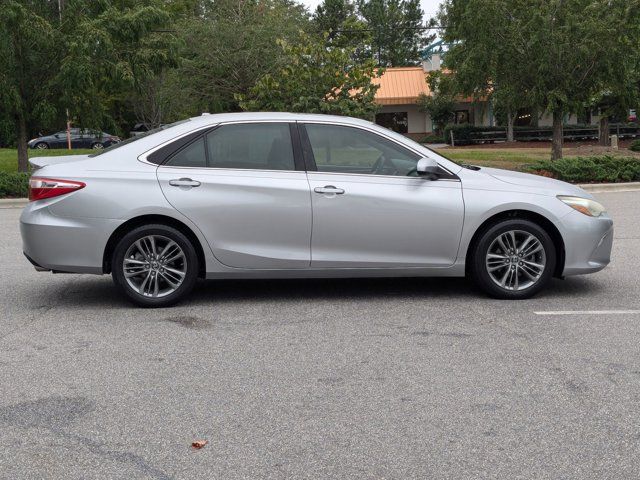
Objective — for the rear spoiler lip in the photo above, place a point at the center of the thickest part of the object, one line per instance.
(39, 162)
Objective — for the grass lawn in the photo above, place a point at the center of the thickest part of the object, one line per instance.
(517, 158)
(9, 156)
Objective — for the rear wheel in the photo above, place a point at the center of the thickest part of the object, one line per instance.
(97, 146)
(155, 266)
(513, 259)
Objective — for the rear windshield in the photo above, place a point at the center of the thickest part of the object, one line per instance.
(137, 137)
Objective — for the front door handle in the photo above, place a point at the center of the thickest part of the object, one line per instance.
(184, 182)
(329, 189)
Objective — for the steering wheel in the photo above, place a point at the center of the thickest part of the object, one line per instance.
(383, 163)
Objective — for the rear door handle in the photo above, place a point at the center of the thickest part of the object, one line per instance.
(329, 189)
(184, 182)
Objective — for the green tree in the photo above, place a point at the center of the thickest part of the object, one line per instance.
(440, 105)
(316, 79)
(339, 22)
(80, 59)
(552, 54)
(27, 52)
(397, 35)
(228, 48)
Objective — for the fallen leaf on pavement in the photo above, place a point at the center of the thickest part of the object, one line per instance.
(198, 444)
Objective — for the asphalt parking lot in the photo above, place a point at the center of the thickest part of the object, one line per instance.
(401, 378)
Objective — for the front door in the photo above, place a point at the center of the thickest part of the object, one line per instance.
(370, 209)
(239, 184)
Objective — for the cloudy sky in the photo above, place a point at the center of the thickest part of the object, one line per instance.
(430, 7)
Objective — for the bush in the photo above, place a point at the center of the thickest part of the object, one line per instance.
(635, 146)
(589, 169)
(14, 185)
(432, 139)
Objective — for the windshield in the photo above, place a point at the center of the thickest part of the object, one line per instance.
(137, 137)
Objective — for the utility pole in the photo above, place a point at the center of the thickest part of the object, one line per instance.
(60, 5)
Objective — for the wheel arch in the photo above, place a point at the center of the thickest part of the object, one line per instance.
(534, 217)
(139, 221)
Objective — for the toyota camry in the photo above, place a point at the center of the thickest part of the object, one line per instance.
(276, 195)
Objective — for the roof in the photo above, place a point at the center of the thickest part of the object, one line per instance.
(401, 85)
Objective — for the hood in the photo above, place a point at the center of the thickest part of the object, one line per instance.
(556, 187)
(39, 162)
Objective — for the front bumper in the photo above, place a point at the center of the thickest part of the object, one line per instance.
(588, 243)
(63, 244)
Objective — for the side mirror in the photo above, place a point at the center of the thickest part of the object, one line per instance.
(428, 167)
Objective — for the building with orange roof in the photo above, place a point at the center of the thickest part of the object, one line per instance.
(400, 87)
(398, 93)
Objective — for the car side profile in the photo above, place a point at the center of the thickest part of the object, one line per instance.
(276, 195)
(80, 138)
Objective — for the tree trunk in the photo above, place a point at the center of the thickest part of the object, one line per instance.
(604, 139)
(510, 121)
(556, 145)
(23, 156)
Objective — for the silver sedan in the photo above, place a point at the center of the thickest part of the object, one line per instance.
(275, 195)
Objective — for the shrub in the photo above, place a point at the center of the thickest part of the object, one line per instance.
(635, 146)
(589, 169)
(14, 185)
(432, 139)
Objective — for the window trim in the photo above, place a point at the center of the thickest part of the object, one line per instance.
(193, 136)
(311, 163)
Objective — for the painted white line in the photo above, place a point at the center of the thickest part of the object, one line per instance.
(591, 312)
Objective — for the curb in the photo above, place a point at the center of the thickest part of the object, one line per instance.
(13, 202)
(611, 187)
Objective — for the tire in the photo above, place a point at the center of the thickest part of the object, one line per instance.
(97, 146)
(41, 146)
(492, 267)
(154, 281)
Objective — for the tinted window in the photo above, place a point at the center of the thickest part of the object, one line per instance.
(192, 155)
(352, 150)
(263, 146)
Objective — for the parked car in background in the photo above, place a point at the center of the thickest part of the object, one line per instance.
(275, 195)
(80, 138)
(140, 128)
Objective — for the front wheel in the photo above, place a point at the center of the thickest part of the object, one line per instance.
(513, 259)
(41, 146)
(155, 265)
(97, 146)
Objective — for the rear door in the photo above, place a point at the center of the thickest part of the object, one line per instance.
(244, 186)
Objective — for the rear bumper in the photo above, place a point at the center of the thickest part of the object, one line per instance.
(64, 244)
(588, 243)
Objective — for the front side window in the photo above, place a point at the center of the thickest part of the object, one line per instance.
(262, 146)
(342, 149)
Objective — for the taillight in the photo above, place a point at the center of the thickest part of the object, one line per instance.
(40, 188)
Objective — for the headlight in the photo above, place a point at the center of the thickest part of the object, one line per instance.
(589, 207)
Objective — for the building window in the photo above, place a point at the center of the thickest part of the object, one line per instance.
(396, 121)
(462, 116)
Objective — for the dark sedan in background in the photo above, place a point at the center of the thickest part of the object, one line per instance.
(79, 139)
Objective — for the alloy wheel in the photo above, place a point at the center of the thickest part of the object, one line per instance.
(154, 266)
(516, 260)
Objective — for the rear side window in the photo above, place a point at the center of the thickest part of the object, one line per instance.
(193, 155)
(262, 146)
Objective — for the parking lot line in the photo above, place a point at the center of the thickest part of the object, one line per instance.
(590, 312)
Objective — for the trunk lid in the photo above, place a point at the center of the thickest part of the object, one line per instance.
(39, 162)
